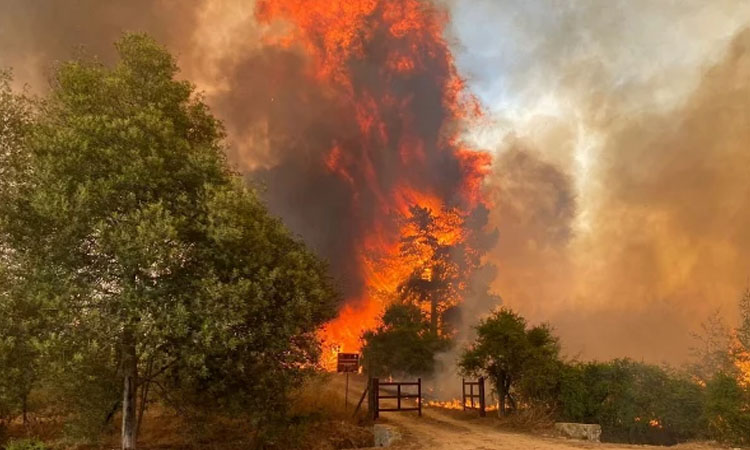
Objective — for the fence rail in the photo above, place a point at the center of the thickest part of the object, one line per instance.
(375, 396)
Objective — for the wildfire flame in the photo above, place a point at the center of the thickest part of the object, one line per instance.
(389, 62)
(456, 404)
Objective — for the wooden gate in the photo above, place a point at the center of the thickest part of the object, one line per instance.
(471, 395)
(376, 396)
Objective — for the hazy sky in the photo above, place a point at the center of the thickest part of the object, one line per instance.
(618, 128)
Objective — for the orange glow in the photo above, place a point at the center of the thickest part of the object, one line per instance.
(348, 43)
(741, 361)
(456, 404)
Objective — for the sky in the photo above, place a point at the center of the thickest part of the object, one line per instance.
(618, 129)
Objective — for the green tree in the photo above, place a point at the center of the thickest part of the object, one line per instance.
(403, 344)
(728, 410)
(19, 314)
(143, 245)
(507, 352)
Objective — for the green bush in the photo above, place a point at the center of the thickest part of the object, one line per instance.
(727, 410)
(633, 402)
(403, 344)
(25, 444)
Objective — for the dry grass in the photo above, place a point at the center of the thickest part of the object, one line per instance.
(321, 402)
(319, 421)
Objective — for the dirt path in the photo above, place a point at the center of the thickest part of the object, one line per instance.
(438, 429)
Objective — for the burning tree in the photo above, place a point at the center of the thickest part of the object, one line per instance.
(431, 246)
(388, 146)
(439, 261)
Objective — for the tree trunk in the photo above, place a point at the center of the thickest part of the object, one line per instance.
(500, 387)
(507, 394)
(129, 391)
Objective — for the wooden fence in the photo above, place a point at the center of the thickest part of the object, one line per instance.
(471, 395)
(375, 396)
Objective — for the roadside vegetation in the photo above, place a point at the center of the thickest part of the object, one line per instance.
(634, 402)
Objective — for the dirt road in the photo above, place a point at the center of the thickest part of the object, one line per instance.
(439, 429)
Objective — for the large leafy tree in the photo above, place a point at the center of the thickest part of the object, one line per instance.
(151, 256)
(511, 355)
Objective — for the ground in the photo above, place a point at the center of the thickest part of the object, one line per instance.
(441, 430)
(457, 430)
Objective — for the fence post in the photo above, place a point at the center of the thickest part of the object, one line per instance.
(372, 397)
(463, 393)
(376, 397)
(482, 412)
(419, 395)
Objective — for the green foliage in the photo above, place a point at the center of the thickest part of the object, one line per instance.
(85, 387)
(728, 410)
(634, 402)
(520, 361)
(403, 344)
(125, 230)
(20, 318)
(25, 444)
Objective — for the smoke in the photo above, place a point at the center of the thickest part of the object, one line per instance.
(619, 188)
(343, 115)
(34, 36)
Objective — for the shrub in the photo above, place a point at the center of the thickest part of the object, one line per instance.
(728, 410)
(633, 402)
(25, 444)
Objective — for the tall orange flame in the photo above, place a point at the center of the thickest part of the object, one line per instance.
(389, 61)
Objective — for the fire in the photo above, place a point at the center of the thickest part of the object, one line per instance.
(388, 61)
(653, 423)
(741, 360)
(456, 404)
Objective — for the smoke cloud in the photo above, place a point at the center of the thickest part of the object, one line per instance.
(620, 186)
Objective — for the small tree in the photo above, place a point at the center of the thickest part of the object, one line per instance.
(403, 344)
(506, 351)
(711, 351)
(728, 410)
